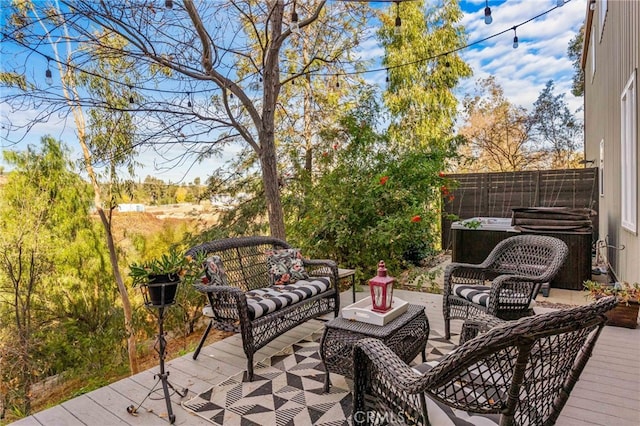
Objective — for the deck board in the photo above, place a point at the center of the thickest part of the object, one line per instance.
(608, 392)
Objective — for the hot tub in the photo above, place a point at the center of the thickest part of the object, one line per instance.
(474, 238)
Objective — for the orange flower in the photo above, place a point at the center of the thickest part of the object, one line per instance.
(441, 174)
(444, 189)
(384, 180)
(451, 197)
(416, 219)
(335, 146)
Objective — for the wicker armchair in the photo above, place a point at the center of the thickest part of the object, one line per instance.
(519, 373)
(514, 271)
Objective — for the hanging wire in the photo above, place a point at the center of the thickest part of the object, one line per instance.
(316, 72)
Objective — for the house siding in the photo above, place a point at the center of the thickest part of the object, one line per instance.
(617, 56)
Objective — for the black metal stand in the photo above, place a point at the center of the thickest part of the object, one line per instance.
(162, 377)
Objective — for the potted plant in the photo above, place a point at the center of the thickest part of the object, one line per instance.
(159, 277)
(625, 314)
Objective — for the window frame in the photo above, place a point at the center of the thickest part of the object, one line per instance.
(602, 16)
(628, 155)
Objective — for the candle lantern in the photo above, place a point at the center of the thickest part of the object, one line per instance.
(381, 287)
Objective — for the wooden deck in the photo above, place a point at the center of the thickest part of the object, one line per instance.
(608, 392)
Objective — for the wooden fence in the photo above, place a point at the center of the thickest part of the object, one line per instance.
(495, 194)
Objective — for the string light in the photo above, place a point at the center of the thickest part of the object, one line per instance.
(48, 77)
(316, 72)
(131, 95)
(487, 13)
(387, 77)
(515, 38)
(560, 3)
(294, 27)
(189, 104)
(168, 4)
(398, 26)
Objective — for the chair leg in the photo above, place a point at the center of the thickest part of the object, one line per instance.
(202, 339)
(250, 367)
(447, 328)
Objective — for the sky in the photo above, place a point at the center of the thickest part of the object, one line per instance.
(522, 73)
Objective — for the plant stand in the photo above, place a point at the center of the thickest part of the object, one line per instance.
(163, 376)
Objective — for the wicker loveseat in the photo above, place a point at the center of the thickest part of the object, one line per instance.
(250, 305)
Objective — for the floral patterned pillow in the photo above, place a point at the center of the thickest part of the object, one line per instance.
(285, 266)
(214, 272)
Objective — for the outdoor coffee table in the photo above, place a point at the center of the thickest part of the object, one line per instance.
(406, 335)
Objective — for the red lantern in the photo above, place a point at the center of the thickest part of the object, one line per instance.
(381, 288)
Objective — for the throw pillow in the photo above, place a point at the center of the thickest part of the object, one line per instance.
(214, 273)
(285, 266)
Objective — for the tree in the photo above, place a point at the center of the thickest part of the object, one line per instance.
(373, 200)
(575, 54)
(496, 131)
(44, 206)
(419, 94)
(555, 130)
(207, 86)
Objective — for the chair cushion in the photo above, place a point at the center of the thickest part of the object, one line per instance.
(214, 273)
(442, 414)
(285, 266)
(478, 294)
(266, 300)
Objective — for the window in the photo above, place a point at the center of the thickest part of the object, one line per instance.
(601, 169)
(629, 161)
(602, 15)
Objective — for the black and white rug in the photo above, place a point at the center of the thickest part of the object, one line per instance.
(287, 389)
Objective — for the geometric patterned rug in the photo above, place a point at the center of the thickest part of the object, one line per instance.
(287, 390)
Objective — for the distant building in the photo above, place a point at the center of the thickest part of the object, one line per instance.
(123, 208)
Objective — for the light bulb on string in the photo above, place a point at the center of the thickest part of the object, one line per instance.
(487, 13)
(560, 3)
(515, 38)
(131, 100)
(168, 4)
(48, 77)
(189, 104)
(387, 77)
(295, 26)
(397, 30)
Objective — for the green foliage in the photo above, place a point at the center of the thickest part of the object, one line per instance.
(420, 278)
(556, 130)
(174, 262)
(574, 51)
(373, 202)
(420, 93)
(51, 272)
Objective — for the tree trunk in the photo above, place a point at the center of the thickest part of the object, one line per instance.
(269, 168)
(124, 295)
(266, 134)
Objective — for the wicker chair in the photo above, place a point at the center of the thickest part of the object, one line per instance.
(519, 373)
(515, 270)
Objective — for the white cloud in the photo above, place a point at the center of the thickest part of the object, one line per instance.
(542, 52)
